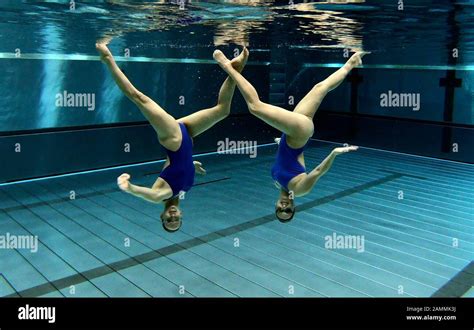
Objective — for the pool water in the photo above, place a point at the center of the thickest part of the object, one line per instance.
(394, 219)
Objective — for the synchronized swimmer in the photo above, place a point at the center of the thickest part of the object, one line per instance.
(289, 171)
(176, 136)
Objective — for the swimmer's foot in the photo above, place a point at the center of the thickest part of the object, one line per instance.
(223, 61)
(101, 46)
(239, 62)
(356, 59)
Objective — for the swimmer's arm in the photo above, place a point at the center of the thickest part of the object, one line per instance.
(305, 185)
(148, 194)
(325, 165)
(153, 194)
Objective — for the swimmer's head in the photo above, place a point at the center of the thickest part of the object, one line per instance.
(171, 218)
(285, 207)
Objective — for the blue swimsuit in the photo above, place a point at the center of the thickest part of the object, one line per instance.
(179, 174)
(286, 165)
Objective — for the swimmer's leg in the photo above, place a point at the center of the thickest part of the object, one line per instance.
(296, 126)
(164, 124)
(311, 102)
(202, 120)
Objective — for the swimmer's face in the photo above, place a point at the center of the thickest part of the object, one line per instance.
(285, 209)
(171, 218)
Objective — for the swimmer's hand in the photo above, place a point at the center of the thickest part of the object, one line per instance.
(123, 181)
(342, 150)
(198, 167)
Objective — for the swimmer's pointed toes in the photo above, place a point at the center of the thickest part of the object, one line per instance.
(217, 55)
(246, 52)
(221, 59)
